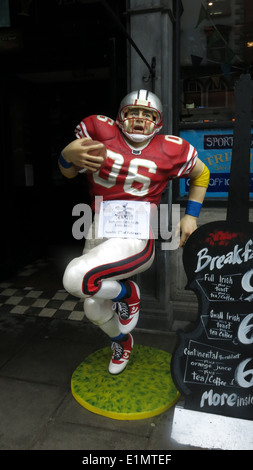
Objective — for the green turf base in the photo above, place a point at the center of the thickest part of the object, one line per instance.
(144, 389)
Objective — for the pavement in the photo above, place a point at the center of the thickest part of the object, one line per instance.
(38, 411)
(38, 355)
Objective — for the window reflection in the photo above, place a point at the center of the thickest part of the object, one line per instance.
(216, 48)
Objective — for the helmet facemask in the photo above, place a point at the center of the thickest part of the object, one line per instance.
(139, 123)
(137, 118)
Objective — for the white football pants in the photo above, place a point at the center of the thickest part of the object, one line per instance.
(94, 275)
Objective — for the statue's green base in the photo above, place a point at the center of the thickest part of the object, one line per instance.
(144, 389)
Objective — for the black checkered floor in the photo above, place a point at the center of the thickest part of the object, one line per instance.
(29, 301)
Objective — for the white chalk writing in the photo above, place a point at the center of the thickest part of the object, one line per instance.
(236, 256)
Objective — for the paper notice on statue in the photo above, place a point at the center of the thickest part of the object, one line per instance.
(124, 219)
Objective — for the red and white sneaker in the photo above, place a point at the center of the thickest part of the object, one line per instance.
(121, 355)
(128, 309)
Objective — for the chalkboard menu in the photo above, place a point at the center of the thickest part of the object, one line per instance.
(213, 364)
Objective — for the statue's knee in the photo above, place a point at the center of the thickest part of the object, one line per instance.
(98, 312)
(69, 279)
(72, 279)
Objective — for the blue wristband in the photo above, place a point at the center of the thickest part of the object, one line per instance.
(193, 208)
(64, 163)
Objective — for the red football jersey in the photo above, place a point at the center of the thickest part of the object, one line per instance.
(130, 173)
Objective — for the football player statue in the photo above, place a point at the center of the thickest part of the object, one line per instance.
(138, 166)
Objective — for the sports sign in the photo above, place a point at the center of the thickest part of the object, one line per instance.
(214, 148)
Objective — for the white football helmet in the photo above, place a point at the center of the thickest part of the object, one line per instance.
(136, 128)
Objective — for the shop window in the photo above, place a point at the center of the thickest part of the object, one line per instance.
(216, 39)
(216, 48)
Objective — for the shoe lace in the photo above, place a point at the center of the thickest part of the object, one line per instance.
(118, 350)
(123, 310)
